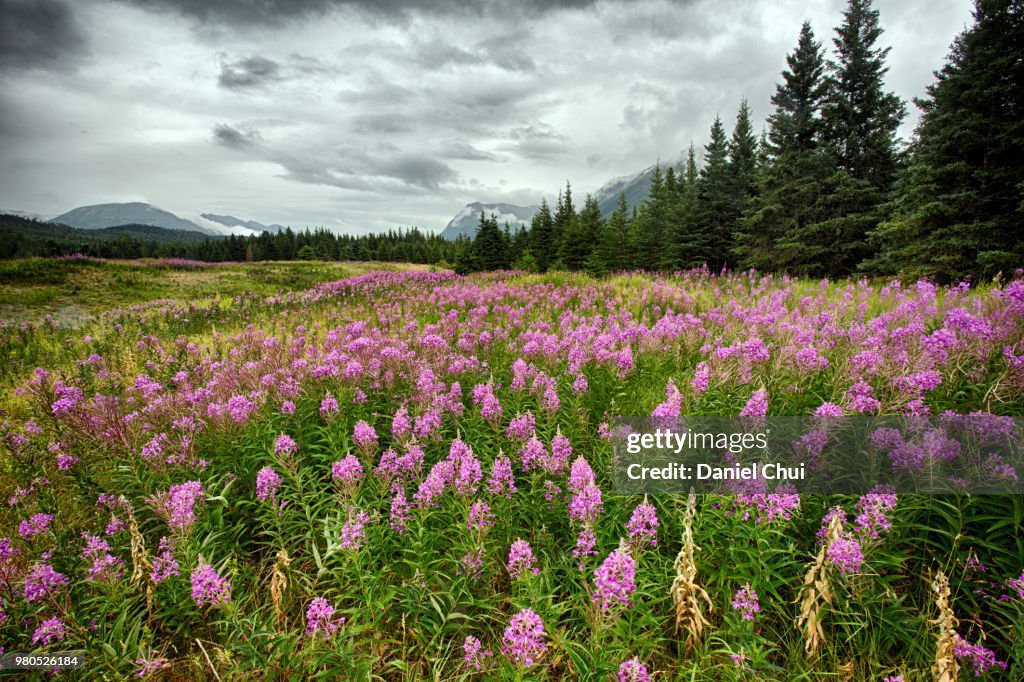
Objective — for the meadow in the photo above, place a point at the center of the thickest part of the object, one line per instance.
(314, 471)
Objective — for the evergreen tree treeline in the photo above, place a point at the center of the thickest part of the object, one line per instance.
(20, 237)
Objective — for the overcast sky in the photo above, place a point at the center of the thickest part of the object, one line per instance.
(368, 114)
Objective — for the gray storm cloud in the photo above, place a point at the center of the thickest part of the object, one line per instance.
(250, 72)
(39, 33)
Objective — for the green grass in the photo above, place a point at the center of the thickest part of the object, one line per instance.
(32, 288)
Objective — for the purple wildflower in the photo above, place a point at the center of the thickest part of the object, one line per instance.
(328, 406)
(34, 525)
(522, 427)
(208, 588)
(977, 655)
(49, 631)
(348, 472)
(41, 581)
(643, 525)
(614, 580)
(164, 563)
(524, 638)
(521, 559)
(873, 508)
(472, 563)
(401, 425)
(585, 506)
(320, 619)
(672, 405)
(285, 446)
(354, 531)
(532, 454)
(1017, 585)
(757, 406)
(474, 655)
(149, 666)
(267, 482)
(701, 378)
(105, 567)
(586, 544)
(365, 436)
(846, 554)
(433, 486)
(65, 462)
(580, 475)
(480, 517)
(561, 452)
(399, 511)
(746, 602)
(633, 671)
(501, 481)
(176, 505)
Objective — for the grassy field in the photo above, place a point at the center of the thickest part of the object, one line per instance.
(406, 475)
(73, 290)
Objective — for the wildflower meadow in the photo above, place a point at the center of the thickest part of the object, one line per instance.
(406, 475)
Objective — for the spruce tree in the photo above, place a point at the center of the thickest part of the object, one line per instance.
(742, 162)
(772, 231)
(542, 238)
(682, 249)
(859, 123)
(565, 215)
(713, 221)
(615, 244)
(490, 249)
(580, 236)
(860, 119)
(652, 219)
(959, 206)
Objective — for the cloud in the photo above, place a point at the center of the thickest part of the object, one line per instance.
(271, 12)
(382, 168)
(419, 170)
(233, 138)
(538, 141)
(459, 149)
(251, 72)
(38, 34)
(387, 123)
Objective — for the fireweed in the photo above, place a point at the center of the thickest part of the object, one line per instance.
(478, 412)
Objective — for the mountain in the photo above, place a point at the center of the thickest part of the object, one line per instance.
(22, 214)
(22, 237)
(468, 219)
(232, 221)
(135, 213)
(636, 187)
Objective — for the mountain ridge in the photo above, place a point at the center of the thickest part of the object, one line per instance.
(467, 220)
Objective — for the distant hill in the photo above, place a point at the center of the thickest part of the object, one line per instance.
(636, 187)
(232, 221)
(468, 219)
(22, 214)
(100, 216)
(20, 236)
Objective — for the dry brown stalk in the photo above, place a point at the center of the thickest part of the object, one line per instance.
(689, 597)
(816, 592)
(946, 667)
(140, 557)
(278, 584)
